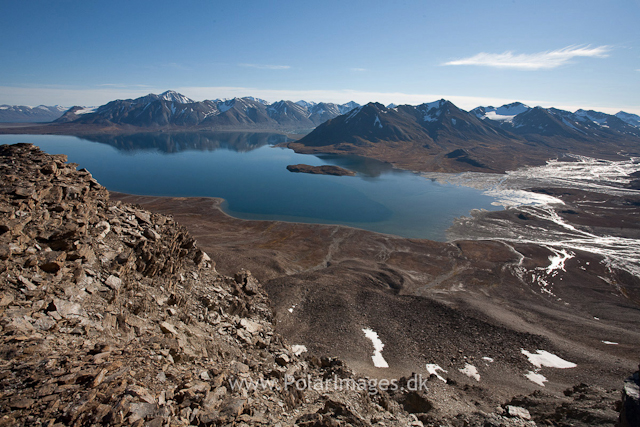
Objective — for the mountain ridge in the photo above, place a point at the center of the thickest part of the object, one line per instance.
(28, 114)
(439, 136)
(171, 109)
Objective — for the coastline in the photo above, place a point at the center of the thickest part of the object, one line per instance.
(325, 273)
(433, 302)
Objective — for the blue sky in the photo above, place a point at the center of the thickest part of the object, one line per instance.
(567, 54)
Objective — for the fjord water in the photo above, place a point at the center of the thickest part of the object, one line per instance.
(250, 174)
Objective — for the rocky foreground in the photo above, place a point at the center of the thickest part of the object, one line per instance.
(112, 315)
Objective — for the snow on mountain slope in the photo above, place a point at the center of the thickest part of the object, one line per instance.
(260, 100)
(174, 96)
(26, 114)
(505, 113)
(631, 119)
(345, 108)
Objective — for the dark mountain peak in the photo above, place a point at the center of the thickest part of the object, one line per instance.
(481, 112)
(368, 110)
(288, 107)
(435, 104)
(376, 105)
(69, 115)
(434, 111)
(514, 105)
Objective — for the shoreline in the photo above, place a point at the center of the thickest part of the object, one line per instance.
(434, 302)
(305, 269)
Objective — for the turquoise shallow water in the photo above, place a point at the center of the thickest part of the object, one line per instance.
(250, 174)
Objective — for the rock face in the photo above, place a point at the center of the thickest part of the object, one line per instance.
(111, 315)
(321, 170)
(630, 411)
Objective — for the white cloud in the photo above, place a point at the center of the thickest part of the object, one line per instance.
(266, 66)
(533, 61)
(358, 69)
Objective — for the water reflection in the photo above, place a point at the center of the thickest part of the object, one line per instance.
(170, 142)
(364, 166)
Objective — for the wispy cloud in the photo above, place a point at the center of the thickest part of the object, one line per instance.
(359, 70)
(121, 85)
(533, 61)
(266, 66)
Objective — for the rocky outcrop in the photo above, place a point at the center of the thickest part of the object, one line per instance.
(630, 411)
(321, 170)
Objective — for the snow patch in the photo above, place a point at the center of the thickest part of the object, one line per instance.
(377, 122)
(226, 105)
(544, 358)
(470, 371)
(513, 198)
(378, 360)
(433, 369)
(557, 261)
(352, 114)
(610, 342)
(86, 110)
(536, 378)
(298, 349)
(488, 359)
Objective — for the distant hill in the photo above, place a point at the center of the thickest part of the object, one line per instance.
(26, 114)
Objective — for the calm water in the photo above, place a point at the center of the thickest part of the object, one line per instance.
(250, 174)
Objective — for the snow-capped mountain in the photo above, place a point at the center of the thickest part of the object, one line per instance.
(74, 113)
(27, 114)
(505, 113)
(579, 125)
(174, 96)
(262, 101)
(438, 120)
(306, 104)
(486, 138)
(171, 109)
(427, 123)
(524, 120)
(345, 108)
(631, 119)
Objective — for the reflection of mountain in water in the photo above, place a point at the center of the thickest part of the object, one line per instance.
(184, 141)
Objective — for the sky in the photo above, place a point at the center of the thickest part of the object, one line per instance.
(566, 54)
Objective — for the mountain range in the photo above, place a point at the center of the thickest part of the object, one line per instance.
(171, 109)
(440, 136)
(436, 136)
(26, 114)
